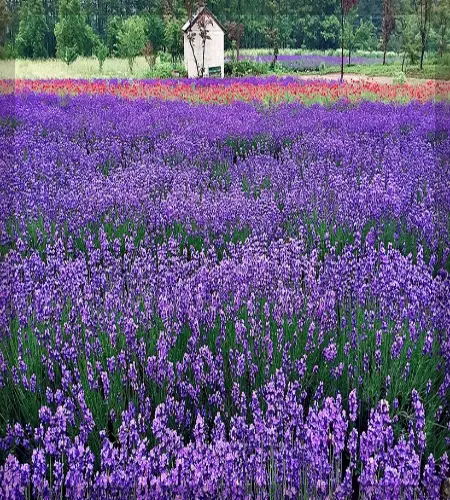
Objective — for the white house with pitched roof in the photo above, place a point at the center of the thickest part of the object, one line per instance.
(214, 46)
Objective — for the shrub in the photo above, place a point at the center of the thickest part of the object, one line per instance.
(132, 38)
(246, 67)
(69, 55)
(166, 70)
(399, 78)
(7, 52)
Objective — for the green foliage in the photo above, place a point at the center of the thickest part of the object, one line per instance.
(112, 35)
(30, 40)
(155, 31)
(329, 32)
(173, 39)
(399, 78)
(358, 36)
(5, 19)
(166, 70)
(411, 41)
(246, 68)
(74, 37)
(423, 10)
(132, 38)
(272, 31)
(441, 26)
(388, 25)
(101, 53)
(69, 55)
(7, 51)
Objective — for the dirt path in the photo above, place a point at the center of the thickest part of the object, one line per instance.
(358, 78)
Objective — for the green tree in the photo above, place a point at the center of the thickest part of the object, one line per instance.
(358, 36)
(388, 25)
(155, 31)
(5, 19)
(273, 30)
(112, 35)
(30, 39)
(74, 36)
(101, 53)
(423, 10)
(173, 39)
(346, 7)
(329, 32)
(132, 39)
(441, 25)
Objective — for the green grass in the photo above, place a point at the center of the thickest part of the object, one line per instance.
(430, 71)
(83, 67)
(88, 68)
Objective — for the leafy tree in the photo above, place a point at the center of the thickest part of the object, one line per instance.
(406, 29)
(441, 25)
(235, 32)
(5, 19)
(273, 30)
(30, 39)
(423, 10)
(357, 36)
(112, 34)
(173, 38)
(346, 7)
(404, 36)
(155, 32)
(132, 39)
(69, 55)
(74, 36)
(329, 32)
(149, 53)
(101, 53)
(388, 25)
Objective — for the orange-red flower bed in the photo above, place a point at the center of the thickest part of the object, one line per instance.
(269, 89)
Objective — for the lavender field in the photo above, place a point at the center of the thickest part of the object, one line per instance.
(223, 301)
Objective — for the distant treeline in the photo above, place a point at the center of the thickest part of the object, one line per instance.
(29, 28)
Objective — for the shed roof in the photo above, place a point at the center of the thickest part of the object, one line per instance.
(190, 22)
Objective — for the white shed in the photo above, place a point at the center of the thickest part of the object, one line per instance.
(214, 46)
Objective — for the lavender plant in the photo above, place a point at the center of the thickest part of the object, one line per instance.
(256, 310)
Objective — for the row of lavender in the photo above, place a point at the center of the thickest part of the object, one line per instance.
(223, 300)
(302, 62)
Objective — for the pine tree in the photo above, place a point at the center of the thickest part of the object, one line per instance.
(30, 39)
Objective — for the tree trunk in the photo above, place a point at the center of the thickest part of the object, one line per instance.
(403, 62)
(384, 55)
(275, 57)
(422, 54)
(237, 52)
(349, 57)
